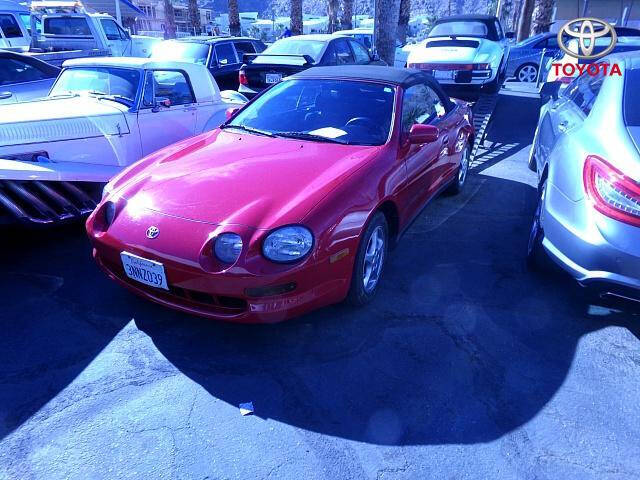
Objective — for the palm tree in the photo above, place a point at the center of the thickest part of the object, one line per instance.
(542, 16)
(332, 13)
(524, 23)
(234, 18)
(169, 20)
(347, 14)
(386, 25)
(403, 20)
(296, 17)
(194, 17)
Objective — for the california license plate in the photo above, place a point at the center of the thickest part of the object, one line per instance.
(443, 74)
(273, 78)
(144, 271)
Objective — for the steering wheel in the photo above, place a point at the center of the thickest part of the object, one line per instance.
(364, 121)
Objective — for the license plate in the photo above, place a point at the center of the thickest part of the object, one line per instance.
(443, 74)
(273, 78)
(144, 271)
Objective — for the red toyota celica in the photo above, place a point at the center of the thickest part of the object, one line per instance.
(290, 205)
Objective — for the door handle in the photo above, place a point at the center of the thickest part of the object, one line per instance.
(189, 109)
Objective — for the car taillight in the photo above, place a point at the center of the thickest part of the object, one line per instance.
(242, 78)
(611, 192)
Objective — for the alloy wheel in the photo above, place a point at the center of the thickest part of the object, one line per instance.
(528, 73)
(373, 260)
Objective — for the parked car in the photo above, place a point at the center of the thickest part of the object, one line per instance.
(365, 36)
(525, 56)
(101, 115)
(290, 205)
(24, 78)
(294, 54)
(14, 35)
(586, 153)
(464, 51)
(222, 55)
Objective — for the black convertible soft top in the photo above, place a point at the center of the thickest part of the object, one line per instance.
(404, 77)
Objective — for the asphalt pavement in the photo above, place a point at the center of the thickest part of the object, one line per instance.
(465, 366)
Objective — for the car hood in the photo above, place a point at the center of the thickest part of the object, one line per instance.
(454, 50)
(53, 120)
(223, 177)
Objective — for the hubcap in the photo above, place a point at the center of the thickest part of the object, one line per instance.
(373, 259)
(528, 73)
(464, 167)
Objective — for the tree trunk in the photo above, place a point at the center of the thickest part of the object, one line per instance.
(386, 26)
(524, 23)
(542, 16)
(403, 20)
(234, 18)
(296, 17)
(169, 20)
(194, 17)
(347, 14)
(332, 13)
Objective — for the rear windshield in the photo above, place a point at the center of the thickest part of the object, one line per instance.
(73, 26)
(632, 98)
(181, 52)
(461, 28)
(286, 46)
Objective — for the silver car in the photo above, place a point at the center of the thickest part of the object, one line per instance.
(586, 151)
(24, 78)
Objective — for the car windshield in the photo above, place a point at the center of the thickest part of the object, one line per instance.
(292, 46)
(116, 82)
(316, 110)
(461, 28)
(181, 51)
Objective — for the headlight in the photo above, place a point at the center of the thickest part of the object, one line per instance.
(287, 244)
(228, 247)
(109, 213)
(107, 190)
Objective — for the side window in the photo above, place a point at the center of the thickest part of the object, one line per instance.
(552, 42)
(9, 26)
(343, 52)
(111, 30)
(420, 104)
(171, 87)
(259, 47)
(74, 26)
(361, 54)
(329, 57)
(366, 40)
(584, 90)
(14, 71)
(225, 54)
(243, 47)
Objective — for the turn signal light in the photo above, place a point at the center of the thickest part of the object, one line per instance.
(611, 192)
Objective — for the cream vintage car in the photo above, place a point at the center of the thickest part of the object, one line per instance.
(101, 115)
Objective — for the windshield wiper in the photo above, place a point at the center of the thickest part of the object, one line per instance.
(311, 136)
(115, 98)
(248, 129)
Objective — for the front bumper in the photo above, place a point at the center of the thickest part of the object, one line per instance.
(597, 251)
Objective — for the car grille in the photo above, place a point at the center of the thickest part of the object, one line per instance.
(219, 304)
(46, 202)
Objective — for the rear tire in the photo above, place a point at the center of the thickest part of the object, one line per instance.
(369, 262)
(463, 172)
(537, 258)
(527, 73)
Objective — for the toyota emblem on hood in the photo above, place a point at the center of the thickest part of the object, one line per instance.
(153, 232)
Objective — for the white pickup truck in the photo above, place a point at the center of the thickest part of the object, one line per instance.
(101, 115)
(56, 37)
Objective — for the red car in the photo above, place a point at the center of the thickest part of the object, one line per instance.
(290, 205)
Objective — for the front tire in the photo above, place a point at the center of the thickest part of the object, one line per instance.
(537, 258)
(462, 173)
(369, 262)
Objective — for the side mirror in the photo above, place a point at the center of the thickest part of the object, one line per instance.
(5, 95)
(165, 102)
(510, 35)
(231, 111)
(550, 89)
(420, 133)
